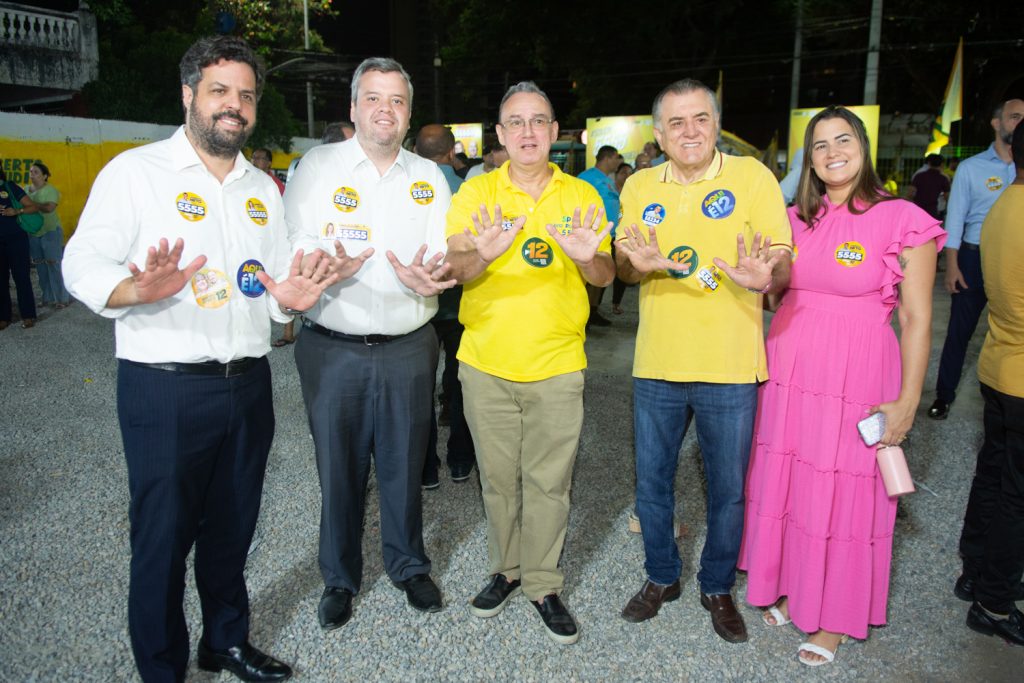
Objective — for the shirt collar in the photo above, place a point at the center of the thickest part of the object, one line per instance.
(354, 153)
(713, 169)
(184, 155)
(557, 176)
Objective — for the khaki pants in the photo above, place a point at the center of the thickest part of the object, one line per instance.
(526, 436)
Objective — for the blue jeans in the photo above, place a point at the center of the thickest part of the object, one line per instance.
(725, 423)
(47, 251)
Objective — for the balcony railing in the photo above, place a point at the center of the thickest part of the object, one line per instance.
(25, 26)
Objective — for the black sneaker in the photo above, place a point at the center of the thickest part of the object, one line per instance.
(1010, 628)
(461, 473)
(560, 625)
(598, 319)
(939, 410)
(430, 480)
(494, 597)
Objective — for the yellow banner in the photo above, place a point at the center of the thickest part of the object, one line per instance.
(799, 118)
(625, 133)
(469, 138)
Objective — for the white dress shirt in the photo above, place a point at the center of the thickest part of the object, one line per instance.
(337, 192)
(163, 190)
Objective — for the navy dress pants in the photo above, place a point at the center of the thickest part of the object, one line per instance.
(965, 310)
(196, 448)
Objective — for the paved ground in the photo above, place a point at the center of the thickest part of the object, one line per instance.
(64, 548)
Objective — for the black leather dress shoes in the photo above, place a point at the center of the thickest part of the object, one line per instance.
(422, 592)
(335, 608)
(245, 662)
(939, 410)
(1010, 628)
(494, 597)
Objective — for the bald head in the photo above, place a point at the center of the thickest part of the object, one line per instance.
(435, 142)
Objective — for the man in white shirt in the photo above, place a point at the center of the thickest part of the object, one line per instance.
(366, 358)
(194, 390)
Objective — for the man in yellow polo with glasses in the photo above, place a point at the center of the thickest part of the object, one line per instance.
(526, 239)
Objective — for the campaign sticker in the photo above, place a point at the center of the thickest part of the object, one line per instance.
(795, 252)
(653, 214)
(718, 204)
(191, 206)
(345, 231)
(850, 254)
(537, 252)
(994, 183)
(211, 288)
(686, 257)
(248, 284)
(345, 199)
(563, 226)
(710, 278)
(422, 192)
(257, 211)
(509, 222)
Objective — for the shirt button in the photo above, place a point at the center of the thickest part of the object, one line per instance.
(531, 210)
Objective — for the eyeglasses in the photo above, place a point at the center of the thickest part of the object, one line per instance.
(516, 125)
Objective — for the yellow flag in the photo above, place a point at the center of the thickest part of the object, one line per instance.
(951, 104)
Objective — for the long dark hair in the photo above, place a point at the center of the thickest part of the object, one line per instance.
(867, 188)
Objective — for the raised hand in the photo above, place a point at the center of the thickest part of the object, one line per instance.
(162, 278)
(426, 279)
(583, 239)
(344, 265)
(753, 270)
(307, 279)
(645, 254)
(491, 239)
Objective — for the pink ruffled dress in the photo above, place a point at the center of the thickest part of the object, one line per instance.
(818, 523)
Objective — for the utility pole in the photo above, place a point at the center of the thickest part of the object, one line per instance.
(309, 86)
(874, 44)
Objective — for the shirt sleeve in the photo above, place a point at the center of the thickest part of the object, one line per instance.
(300, 206)
(279, 254)
(464, 205)
(436, 220)
(96, 257)
(630, 210)
(956, 208)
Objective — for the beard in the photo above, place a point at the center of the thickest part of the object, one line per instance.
(1006, 135)
(215, 141)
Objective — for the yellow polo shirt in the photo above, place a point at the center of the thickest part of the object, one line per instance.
(1001, 364)
(525, 314)
(698, 325)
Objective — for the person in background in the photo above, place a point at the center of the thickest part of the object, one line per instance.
(47, 246)
(607, 162)
(930, 187)
(818, 531)
(262, 158)
(494, 156)
(14, 254)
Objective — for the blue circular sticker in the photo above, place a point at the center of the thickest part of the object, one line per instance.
(247, 282)
(718, 204)
(653, 214)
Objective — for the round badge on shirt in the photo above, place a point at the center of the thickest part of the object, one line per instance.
(653, 214)
(211, 288)
(256, 211)
(718, 204)
(850, 254)
(191, 206)
(685, 256)
(345, 199)
(537, 252)
(248, 283)
(710, 278)
(422, 192)
(994, 183)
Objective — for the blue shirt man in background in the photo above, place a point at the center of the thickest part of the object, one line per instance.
(600, 176)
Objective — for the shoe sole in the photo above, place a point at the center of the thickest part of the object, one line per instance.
(496, 610)
(459, 480)
(431, 487)
(562, 640)
(938, 417)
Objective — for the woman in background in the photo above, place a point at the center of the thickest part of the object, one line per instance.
(14, 258)
(817, 542)
(46, 247)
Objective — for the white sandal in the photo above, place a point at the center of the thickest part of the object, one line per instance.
(828, 655)
(776, 614)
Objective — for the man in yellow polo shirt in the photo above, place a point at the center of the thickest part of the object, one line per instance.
(700, 345)
(524, 307)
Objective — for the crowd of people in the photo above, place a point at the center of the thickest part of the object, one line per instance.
(383, 256)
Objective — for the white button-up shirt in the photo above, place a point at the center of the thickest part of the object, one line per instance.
(337, 193)
(163, 190)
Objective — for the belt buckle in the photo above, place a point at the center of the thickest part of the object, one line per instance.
(369, 339)
(233, 367)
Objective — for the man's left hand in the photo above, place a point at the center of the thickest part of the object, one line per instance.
(307, 280)
(426, 279)
(583, 240)
(754, 270)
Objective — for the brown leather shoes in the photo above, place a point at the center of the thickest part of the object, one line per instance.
(647, 602)
(727, 621)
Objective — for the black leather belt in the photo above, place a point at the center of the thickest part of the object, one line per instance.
(233, 368)
(367, 339)
(968, 246)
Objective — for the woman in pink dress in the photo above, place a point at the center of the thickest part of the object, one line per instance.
(817, 542)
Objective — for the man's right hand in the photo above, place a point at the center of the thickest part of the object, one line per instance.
(161, 278)
(955, 282)
(645, 254)
(492, 239)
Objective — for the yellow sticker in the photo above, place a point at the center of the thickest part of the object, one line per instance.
(257, 211)
(191, 206)
(850, 254)
(710, 278)
(345, 199)
(994, 183)
(796, 252)
(211, 288)
(422, 192)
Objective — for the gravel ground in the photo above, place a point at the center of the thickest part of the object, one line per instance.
(64, 553)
